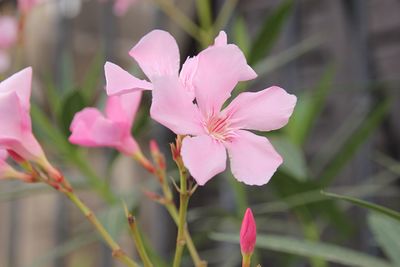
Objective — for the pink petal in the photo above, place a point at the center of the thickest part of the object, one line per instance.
(122, 6)
(157, 54)
(9, 31)
(221, 39)
(123, 108)
(204, 157)
(91, 129)
(15, 128)
(119, 81)
(219, 69)
(266, 110)
(173, 107)
(20, 83)
(253, 158)
(187, 73)
(3, 154)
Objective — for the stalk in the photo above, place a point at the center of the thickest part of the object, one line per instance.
(117, 252)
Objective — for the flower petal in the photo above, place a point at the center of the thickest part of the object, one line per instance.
(221, 39)
(219, 69)
(173, 107)
(157, 54)
(119, 81)
(15, 128)
(187, 73)
(123, 108)
(204, 157)
(91, 129)
(266, 110)
(20, 83)
(9, 31)
(253, 158)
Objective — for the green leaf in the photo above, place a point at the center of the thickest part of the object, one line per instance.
(351, 145)
(269, 31)
(365, 204)
(308, 109)
(92, 78)
(240, 35)
(387, 233)
(294, 162)
(306, 248)
(73, 102)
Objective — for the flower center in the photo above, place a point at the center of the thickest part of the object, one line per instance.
(218, 128)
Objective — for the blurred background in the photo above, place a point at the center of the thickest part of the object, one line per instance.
(341, 58)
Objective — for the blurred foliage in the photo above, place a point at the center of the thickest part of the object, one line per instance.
(295, 189)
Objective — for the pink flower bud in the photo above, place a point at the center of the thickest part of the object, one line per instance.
(248, 233)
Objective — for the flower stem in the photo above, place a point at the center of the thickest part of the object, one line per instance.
(137, 238)
(184, 201)
(246, 260)
(117, 252)
(169, 8)
(171, 208)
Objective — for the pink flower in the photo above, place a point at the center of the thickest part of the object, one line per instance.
(15, 122)
(9, 32)
(92, 129)
(26, 6)
(190, 103)
(248, 233)
(122, 6)
(8, 37)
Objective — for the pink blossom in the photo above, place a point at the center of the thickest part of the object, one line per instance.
(9, 32)
(122, 6)
(90, 128)
(190, 103)
(26, 6)
(8, 37)
(248, 233)
(15, 123)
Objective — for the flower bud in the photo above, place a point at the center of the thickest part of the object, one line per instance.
(248, 233)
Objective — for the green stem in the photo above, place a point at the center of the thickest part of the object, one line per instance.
(184, 201)
(172, 210)
(224, 15)
(169, 8)
(246, 260)
(138, 241)
(117, 252)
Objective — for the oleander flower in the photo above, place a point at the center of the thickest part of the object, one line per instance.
(122, 6)
(26, 6)
(248, 233)
(193, 107)
(190, 103)
(91, 128)
(15, 122)
(8, 37)
(4, 167)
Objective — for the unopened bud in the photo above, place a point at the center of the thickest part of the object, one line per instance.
(248, 233)
(158, 157)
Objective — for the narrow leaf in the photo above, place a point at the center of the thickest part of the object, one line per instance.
(378, 208)
(308, 248)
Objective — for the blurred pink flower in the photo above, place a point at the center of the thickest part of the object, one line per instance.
(26, 6)
(122, 6)
(90, 128)
(248, 233)
(190, 104)
(8, 37)
(9, 32)
(15, 123)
